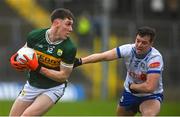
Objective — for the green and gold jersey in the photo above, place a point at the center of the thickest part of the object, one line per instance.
(50, 55)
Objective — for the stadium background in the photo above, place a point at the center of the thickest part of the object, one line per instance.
(100, 25)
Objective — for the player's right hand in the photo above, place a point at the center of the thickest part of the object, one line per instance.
(77, 62)
(33, 64)
(132, 90)
(16, 65)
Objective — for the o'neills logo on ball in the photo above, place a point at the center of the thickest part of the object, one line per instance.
(59, 52)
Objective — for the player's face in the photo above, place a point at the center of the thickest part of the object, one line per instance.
(64, 28)
(142, 44)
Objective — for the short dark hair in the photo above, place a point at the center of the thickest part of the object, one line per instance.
(61, 13)
(147, 31)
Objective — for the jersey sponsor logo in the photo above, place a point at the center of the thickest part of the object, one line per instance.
(154, 65)
(59, 52)
(48, 60)
(141, 76)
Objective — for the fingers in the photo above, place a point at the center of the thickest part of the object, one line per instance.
(23, 61)
(20, 69)
(34, 56)
(12, 59)
(18, 66)
(26, 58)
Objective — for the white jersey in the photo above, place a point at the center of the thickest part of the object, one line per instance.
(138, 68)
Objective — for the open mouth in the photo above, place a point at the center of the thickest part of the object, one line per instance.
(140, 49)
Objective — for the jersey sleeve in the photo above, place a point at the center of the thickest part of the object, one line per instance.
(68, 57)
(29, 40)
(32, 38)
(124, 50)
(155, 65)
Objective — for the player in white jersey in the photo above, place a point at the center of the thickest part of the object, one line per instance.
(143, 84)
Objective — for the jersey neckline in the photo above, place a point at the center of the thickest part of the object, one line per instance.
(49, 41)
(141, 56)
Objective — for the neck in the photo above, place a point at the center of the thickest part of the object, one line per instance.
(141, 56)
(52, 36)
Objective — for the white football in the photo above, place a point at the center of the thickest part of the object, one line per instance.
(25, 51)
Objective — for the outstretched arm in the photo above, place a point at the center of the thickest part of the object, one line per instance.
(98, 57)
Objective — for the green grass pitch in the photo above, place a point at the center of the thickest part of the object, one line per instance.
(91, 108)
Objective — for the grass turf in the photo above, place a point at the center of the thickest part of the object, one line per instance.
(91, 108)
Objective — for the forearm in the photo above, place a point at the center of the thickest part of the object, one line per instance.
(98, 57)
(149, 86)
(142, 88)
(58, 76)
(93, 58)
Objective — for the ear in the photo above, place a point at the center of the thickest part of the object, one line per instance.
(56, 22)
(152, 43)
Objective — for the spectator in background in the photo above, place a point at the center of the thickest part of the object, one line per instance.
(84, 27)
(173, 8)
(157, 6)
(143, 86)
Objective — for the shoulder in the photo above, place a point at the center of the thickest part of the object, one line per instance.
(69, 51)
(155, 58)
(69, 45)
(155, 53)
(127, 45)
(125, 50)
(37, 32)
(34, 36)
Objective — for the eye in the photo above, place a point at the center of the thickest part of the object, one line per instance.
(144, 42)
(137, 41)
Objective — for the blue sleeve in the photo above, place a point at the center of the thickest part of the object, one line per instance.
(118, 52)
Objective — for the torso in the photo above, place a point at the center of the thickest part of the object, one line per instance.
(138, 68)
(50, 55)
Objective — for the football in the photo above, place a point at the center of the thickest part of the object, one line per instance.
(25, 51)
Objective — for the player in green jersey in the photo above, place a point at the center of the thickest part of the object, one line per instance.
(47, 76)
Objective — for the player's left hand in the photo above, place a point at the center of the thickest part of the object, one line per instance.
(132, 90)
(16, 65)
(33, 64)
(77, 62)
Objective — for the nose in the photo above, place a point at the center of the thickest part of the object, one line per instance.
(71, 29)
(139, 44)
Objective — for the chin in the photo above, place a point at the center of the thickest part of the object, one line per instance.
(64, 38)
(139, 52)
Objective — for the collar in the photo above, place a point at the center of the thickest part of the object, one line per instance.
(141, 56)
(49, 41)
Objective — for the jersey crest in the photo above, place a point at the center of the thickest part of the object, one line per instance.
(59, 52)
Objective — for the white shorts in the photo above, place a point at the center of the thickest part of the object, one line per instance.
(29, 93)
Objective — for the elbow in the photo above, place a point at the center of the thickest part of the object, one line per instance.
(63, 78)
